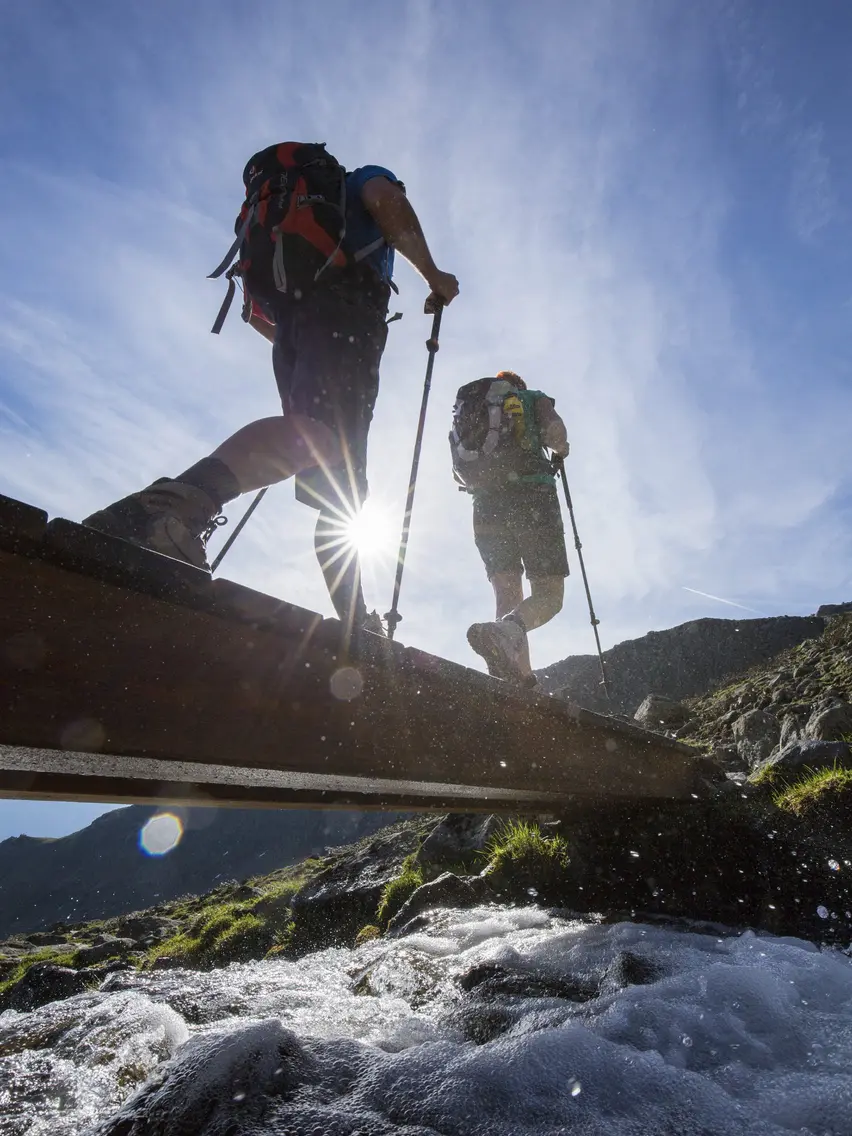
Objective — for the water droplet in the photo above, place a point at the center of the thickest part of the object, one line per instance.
(502, 764)
(239, 1097)
(346, 684)
(822, 912)
(576, 1088)
(635, 855)
(532, 891)
(835, 867)
(687, 1040)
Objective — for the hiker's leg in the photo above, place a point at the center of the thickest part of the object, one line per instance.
(544, 602)
(509, 596)
(329, 371)
(341, 568)
(273, 449)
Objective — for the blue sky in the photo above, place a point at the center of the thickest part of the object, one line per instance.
(647, 209)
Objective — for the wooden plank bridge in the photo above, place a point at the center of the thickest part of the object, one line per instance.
(128, 676)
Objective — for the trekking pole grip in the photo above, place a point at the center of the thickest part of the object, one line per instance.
(432, 343)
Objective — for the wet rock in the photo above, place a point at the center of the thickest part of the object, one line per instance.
(830, 722)
(333, 906)
(145, 925)
(108, 947)
(756, 733)
(799, 756)
(167, 962)
(492, 981)
(44, 982)
(218, 1084)
(46, 938)
(446, 890)
(457, 837)
(628, 969)
(659, 713)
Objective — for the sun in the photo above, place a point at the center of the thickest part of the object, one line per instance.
(370, 531)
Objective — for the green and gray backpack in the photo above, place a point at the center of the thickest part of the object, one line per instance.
(495, 439)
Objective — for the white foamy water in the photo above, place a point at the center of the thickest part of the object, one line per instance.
(559, 1027)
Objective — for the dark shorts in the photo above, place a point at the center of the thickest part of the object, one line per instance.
(520, 528)
(326, 359)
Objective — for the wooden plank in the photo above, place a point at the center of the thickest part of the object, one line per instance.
(114, 649)
(57, 775)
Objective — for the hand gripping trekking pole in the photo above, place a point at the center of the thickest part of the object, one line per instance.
(393, 617)
(559, 464)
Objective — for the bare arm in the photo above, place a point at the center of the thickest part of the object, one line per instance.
(400, 227)
(553, 432)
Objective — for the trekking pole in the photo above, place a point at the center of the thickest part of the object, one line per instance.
(559, 464)
(238, 529)
(393, 617)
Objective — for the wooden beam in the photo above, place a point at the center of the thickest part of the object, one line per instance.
(112, 649)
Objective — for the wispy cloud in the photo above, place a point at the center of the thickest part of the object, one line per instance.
(563, 167)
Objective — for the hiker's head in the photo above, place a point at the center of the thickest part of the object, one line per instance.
(511, 377)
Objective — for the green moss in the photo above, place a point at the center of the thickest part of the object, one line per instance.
(817, 786)
(48, 954)
(520, 847)
(367, 934)
(399, 889)
(769, 776)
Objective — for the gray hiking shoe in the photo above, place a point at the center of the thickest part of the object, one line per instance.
(168, 517)
(501, 644)
(373, 623)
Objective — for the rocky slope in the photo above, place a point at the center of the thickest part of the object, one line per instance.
(779, 717)
(101, 870)
(680, 662)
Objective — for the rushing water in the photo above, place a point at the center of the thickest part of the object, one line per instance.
(491, 1021)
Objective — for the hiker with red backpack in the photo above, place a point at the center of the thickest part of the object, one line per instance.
(498, 441)
(314, 252)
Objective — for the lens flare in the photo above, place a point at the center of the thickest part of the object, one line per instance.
(370, 531)
(160, 834)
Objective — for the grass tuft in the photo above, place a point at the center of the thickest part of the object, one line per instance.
(522, 846)
(398, 890)
(818, 785)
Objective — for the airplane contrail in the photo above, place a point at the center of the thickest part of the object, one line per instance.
(719, 599)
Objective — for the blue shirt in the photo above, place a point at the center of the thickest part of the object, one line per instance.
(361, 228)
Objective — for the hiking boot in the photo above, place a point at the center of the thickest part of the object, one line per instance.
(501, 644)
(168, 517)
(373, 623)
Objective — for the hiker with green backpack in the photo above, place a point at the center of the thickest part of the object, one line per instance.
(314, 252)
(501, 432)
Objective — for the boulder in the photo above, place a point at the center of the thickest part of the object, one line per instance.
(457, 836)
(332, 906)
(108, 947)
(145, 925)
(446, 890)
(830, 722)
(44, 982)
(756, 734)
(659, 713)
(799, 756)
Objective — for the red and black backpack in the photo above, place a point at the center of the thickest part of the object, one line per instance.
(291, 227)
